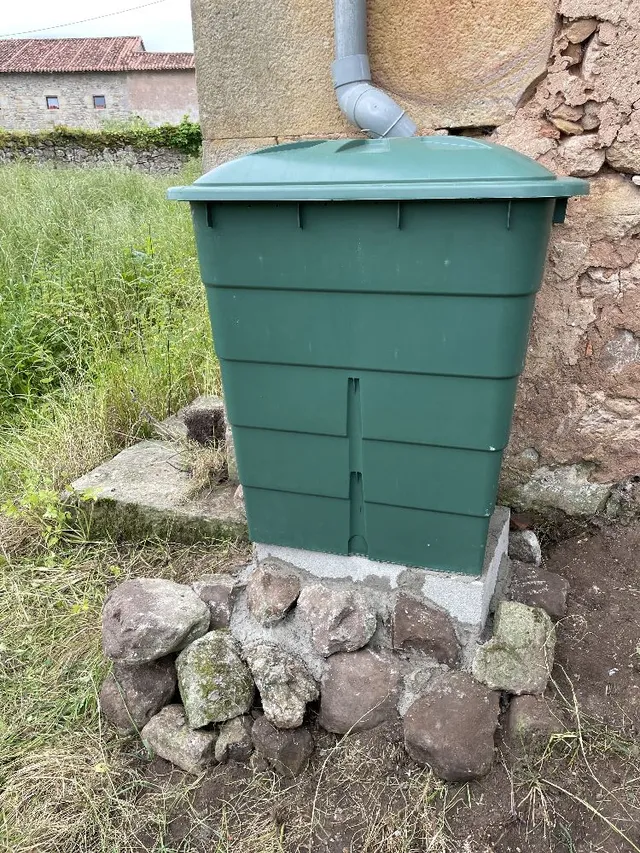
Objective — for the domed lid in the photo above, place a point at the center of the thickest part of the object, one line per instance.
(418, 167)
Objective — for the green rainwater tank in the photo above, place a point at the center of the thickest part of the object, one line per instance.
(370, 303)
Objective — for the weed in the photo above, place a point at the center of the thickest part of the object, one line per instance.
(99, 294)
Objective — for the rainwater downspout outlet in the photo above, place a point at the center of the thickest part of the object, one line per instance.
(369, 108)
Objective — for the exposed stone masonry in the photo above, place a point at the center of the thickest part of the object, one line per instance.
(156, 160)
(356, 655)
(154, 96)
(579, 401)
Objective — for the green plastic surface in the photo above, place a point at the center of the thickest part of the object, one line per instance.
(370, 349)
(419, 167)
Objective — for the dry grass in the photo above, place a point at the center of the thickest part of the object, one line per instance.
(66, 784)
(207, 466)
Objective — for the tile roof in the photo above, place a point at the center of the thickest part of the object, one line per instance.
(126, 53)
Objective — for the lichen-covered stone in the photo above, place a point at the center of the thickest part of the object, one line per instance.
(215, 684)
(234, 740)
(522, 626)
(132, 694)
(168, 735)
(451, 727)
(284, 683)
(417, 625)
(288, 752)
(567, 488)
(519, 656)
(341, 620)
(219, 593)
(147, 618)
(272, 591)
(359, 691)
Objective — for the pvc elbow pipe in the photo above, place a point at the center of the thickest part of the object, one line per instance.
(368, 108)
(373, 111)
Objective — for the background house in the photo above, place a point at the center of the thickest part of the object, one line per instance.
(81, 82)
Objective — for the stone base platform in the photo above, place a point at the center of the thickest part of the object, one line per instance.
(262, 656)
(465, 598)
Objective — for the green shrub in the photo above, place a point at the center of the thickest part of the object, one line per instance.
(185, 136)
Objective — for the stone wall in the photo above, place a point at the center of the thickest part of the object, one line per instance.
(156, 97)
(59, 155)
(23, 103)
(555, 79)
(577, 420)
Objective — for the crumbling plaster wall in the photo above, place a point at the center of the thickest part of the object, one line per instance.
(558, 80)
(579, 399)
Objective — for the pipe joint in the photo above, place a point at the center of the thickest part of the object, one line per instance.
(373, 111)
(369, 108)
(350, 69)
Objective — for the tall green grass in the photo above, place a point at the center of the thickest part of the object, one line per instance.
(102, 317)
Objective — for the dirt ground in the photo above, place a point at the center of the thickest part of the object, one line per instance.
(362, 794)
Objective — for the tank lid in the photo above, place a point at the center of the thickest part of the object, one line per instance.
(419, 167)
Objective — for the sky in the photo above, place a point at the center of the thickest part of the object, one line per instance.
(165, 25)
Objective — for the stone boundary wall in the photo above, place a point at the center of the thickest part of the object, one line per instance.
(61, 154)
(164, 149)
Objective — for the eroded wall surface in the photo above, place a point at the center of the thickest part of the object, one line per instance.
(577, 419)
(558, 80)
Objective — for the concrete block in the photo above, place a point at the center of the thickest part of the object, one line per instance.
(144, 492)
(264, 69)
(465, 598)
(215, 152)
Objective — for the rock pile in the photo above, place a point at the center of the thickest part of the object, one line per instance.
(229, 665)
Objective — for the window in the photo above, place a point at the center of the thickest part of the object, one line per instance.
(99, 102)
(52, 102)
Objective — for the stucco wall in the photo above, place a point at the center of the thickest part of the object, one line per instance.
(155, 96)
(557, 80)
(163, 96)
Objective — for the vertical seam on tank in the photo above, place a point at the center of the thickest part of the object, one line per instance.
(357, 515)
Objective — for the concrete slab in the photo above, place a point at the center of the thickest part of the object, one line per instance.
(465, 598)
(143, 492)
(468, 598)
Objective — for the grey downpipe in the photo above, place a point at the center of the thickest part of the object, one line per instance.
(369, 108)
